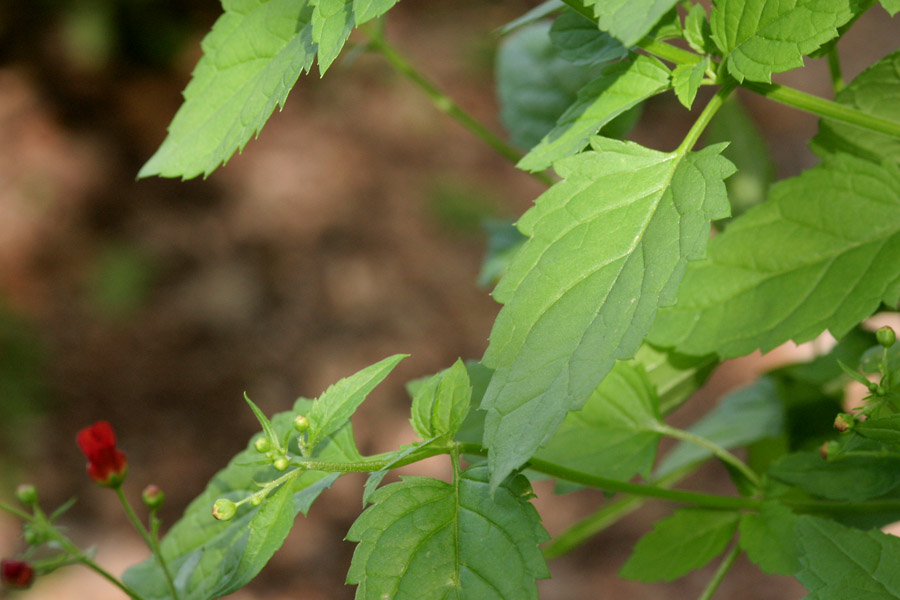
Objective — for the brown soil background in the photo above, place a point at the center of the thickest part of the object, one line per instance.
(316, 252)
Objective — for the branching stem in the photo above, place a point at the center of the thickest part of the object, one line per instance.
(149, 539)
(720, 573)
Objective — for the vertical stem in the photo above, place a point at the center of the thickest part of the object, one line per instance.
(149, 539)
(834, 68)
(706, 116)
(720, 574)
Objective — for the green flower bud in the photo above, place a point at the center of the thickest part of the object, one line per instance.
(153, 497)
(262, 445)
(224, 509)
(301, 423)
(27, 494)
(32, 535)
(829, 449)
(281, 464)
(886, 336)
(844, 422)
(256, 499)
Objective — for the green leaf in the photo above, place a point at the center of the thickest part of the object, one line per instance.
(686, 80)
(874, 92)
(679, 544)
(578, 40)
(891, 6)
(395, 457)
(758, 38)
(674, 377)
(426, 539)
(251, 60)
(535, 85)
(332, 22)
(885, 430)
(621, 86)
(841, 563)
(615, 434)
(821, 253)
(608, 245)
(504, 240)
(366, 10)
(853, 479)
(337, 404)
(210, 558)
(769, 539)
(697, 31)
(629, 20)
(441, 405)
(741, 418)
(544, 9)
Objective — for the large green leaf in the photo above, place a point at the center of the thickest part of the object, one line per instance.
(841, 563)
(440, 405)
(616, 433)
(426, 539)
(769, 539)
(210, 558)
(821, 253)
(853, 479)
(758, 38)
(607, 246)
(620, 87)
(629, 20)
(333, 409)
(874, 92)
(679, 544)
(252, 58)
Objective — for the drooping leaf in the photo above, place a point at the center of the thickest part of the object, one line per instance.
(608, 245)
(252, 58)
(769, 539)
(686, 80)
(620, 87)
(615, 434)
(629, 20)
(758, 38)
(441, 405)
(841, 563)
(425, 539)
(873, 92)
(578, 40)
(333, 409)
(836, 229)
(366, 10)
(210, 558)
(679, 544)
(741, 418)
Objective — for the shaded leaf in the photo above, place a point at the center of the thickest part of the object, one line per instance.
(366, 10)
(886, 429)
(853, 479)
(544, 9)
(697, 31)
(578, 40)
(769, 539)
(686, 80)
(504, 240)
(629, 20)
(441, 404)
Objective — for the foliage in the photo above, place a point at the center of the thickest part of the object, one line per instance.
(617, 304)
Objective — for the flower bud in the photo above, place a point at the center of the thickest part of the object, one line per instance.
(224, 509)
(27, 494)
(301, 423)
(829, 449)
(281, 464)
(153, 497)
(886, 336)
(256, 499)
(107, 466)
(32, 535)
(16, 574)
(844, 422)
(262, 445)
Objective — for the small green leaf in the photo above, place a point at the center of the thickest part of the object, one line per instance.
(441, 405)
(615, 434)
(679, 544)
(686, 80)
(620, 87)
(891, 6)
(758, 38)
(425, 539)
(337, 404)
(264, 422)
(366, 10)
(841, 563)
(853, 479)
(332, 22)
(769, 539)
(885, 430)
(697, 32)
(578, 40)
(629, 20)
(607, 246)
(251, 60)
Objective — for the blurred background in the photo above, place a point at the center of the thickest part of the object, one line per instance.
(349, 231)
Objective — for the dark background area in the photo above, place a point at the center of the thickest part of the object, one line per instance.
(349, 231)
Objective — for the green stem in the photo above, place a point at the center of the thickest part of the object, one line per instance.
(87, 561)
(444, 103)
(372, 463)
(706, 116)
(717, 451)
(834, 68)
(15, 511)
(148, 539)
(720, 574)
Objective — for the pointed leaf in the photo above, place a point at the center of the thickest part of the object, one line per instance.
(758, 38)
(891, 6)
(366, 10)
(578, 40)
(425, 539)
(686, 80)
(697, 32)
(629, 20)
(252, 58)
(679, 544)
(441, 405)
(840, 562)
(332, 22)
(620, 86)
(608, 245)
(769, 539)
(821, 253)
(337, 404)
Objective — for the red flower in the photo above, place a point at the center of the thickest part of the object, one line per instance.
(106, 464)
(16, 574)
